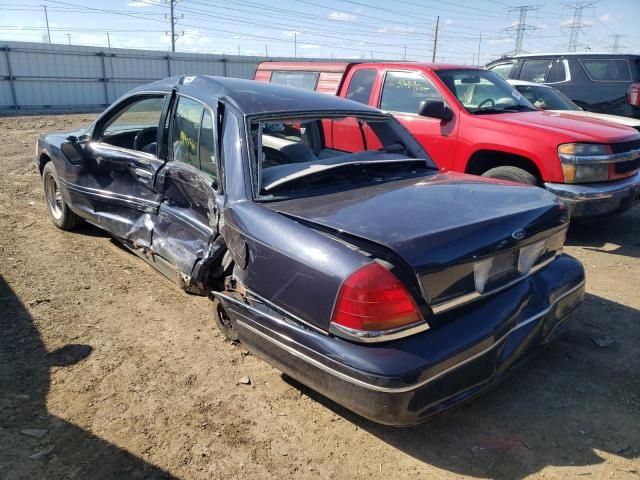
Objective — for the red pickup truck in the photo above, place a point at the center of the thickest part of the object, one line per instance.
(470, 120)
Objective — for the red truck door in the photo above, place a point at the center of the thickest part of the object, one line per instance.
(401, 94)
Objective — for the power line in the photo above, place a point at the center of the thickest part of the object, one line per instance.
(217, 30)
(317, 33)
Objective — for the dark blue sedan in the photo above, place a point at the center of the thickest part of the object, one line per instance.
(351, 263)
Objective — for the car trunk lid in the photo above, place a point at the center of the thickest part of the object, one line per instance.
(433, 221)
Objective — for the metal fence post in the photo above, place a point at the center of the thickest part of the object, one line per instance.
(224, 65)
(104, 78)
(11, 79)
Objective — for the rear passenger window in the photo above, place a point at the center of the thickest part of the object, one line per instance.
(360, 86)
(607, 70)
(405, 91)
(503, 69)
(535, 70)
(186, 127)
(207, 147)
(304, 80)
(192, 137)
(557, 72)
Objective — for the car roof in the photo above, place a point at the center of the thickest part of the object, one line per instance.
(430, 66)
(341, 66)
(564, 54)
(254, 98)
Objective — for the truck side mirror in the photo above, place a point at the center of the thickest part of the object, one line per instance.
(435, 109)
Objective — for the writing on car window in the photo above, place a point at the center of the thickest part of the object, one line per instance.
(406, 91)
(186, 127)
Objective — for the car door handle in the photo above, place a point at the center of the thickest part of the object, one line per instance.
(142, 173)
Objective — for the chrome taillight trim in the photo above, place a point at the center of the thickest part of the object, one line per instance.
(373, 336)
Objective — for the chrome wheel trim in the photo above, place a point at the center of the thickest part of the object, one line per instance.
(54, 197)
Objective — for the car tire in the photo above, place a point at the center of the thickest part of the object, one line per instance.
(60, 213)
(225, 322)
(513, 174)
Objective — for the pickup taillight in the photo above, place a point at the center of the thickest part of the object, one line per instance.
(633, 94)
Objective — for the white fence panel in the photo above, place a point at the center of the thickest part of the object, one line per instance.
(39, 76)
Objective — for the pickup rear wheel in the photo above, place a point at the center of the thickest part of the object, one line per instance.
(225, 323)
(513, 174)
(59, 211)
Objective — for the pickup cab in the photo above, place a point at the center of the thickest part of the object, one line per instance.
(470, 120)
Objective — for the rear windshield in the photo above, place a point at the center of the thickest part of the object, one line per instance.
(292, 157)
(607, 70)
(304, 80)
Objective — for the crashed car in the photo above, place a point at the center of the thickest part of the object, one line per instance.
(386, 285)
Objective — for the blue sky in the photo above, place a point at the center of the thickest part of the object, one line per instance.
(323, 28)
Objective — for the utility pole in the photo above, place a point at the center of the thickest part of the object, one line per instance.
(69, 36)
(174, 19)
(266, 50)
(405, 53)
(520, 28)
(295, 44)
(173, 26)
(576, 25)
(46, 19)
(479, 43)
(435, 40)
(108, 41)
(615, 48)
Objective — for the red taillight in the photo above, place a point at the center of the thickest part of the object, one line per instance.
(633, 94)
(373, 299)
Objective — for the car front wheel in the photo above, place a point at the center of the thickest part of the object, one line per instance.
(513, 174)
(59, 211)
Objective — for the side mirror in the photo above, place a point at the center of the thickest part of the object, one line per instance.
(73, 148)
(435, 109)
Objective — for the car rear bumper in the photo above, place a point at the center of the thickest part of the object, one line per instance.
(595, 200)
(405, 381)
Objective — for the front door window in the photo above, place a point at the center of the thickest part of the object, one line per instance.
(135, 127)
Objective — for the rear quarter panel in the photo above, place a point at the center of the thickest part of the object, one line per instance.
(297, 268)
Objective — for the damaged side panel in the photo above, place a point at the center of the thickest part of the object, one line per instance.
(113, 189)
(298, 269)
(186, 229)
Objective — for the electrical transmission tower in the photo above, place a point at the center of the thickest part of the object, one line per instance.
(521, 28)
(174, 20)
(577, 25)
(616, 46)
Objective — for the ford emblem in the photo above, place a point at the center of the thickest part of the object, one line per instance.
(518, 234)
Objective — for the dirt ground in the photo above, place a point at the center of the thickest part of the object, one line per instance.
(122, 375)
